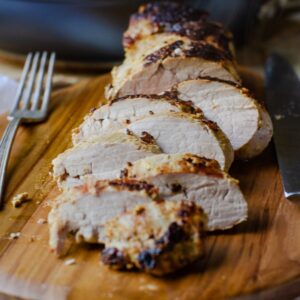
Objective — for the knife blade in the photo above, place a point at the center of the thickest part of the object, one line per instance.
(283, 103)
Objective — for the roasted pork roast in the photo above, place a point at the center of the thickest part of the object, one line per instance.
(146, 175)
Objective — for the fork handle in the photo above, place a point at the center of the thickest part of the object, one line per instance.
(5, 146)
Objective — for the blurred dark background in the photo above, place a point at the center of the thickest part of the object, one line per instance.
(90, 31)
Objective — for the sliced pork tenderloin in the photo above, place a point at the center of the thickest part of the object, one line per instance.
(182, 132)
(194, 178)
(158, 238)
(85, 209)
(120, 112)
(261, 139)
(241, 118)
(156, 71)
(177, 19)
(101, 156)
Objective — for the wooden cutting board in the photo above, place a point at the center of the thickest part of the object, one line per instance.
(259, 259)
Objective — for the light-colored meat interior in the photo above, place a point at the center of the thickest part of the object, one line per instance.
(120, 113)
(85, 213)
(101, 156)
(230, 107)
(177, 133)
(216, 192)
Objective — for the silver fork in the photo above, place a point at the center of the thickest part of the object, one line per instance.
(28, 106)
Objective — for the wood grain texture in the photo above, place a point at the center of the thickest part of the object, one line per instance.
(259, 259)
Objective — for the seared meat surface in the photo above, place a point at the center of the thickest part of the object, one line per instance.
(194, 178)
(178, 19)
(158, 238)
(155, 69)
(100, 156)
(85, 209)
(261, 138)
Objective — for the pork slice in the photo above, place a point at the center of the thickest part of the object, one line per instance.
(120, 112)
(101, 157)
(84, 210)
(159, 70)
(182, 132)
(239, 116)
(194, 178)
(261, 138)
(158, 238)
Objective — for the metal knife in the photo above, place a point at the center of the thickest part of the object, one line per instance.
(283, 103)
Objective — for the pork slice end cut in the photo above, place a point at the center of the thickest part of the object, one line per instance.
(84, 210)
(260, 140)
(158, 238)
(229, 105)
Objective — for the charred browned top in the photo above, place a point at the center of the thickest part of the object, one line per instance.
(179, 19)
(166, 96)
(171, 96)
(188, 209)
(211, 124)
(134, 185)
(168, 12)
(209, 78)
(207, 166)
(195, 49)
(147, 137)
(159, 250)
(162, 53)
(129, 132)
(113, 257)
(242, 89)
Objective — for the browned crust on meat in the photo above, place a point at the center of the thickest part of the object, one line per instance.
(209, 78)
(242, 89)
(166, 96)
(164, 12)
(147, 137)
(171, 96)
(129, 132)
(130, 184)
(114, 258)
(196, 49)
(190, 163)
(206, 166)
(178, 19)
(212, 125)
(161, 258)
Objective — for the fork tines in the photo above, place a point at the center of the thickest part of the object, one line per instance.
(32, 83)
